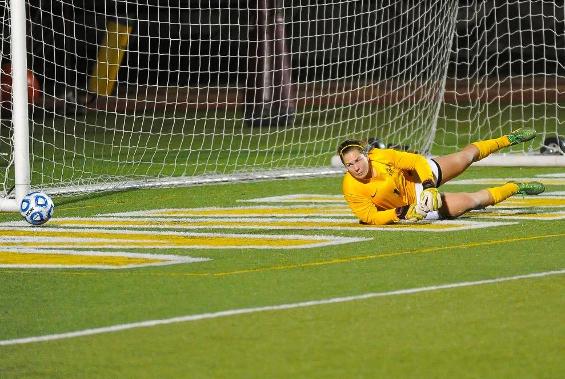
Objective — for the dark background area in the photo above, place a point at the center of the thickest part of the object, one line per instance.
(196, 42)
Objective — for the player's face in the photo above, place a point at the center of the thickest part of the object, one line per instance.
(357, 164)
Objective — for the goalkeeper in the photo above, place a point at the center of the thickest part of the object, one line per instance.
(383, 186)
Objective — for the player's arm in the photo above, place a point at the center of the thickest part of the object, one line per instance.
(430, 198)
(412, 162)
(367, 213)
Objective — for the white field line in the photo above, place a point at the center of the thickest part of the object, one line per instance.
(550, 180)
(158, 259)
(235, 312)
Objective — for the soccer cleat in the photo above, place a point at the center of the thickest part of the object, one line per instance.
(530, 188)
(521, 135)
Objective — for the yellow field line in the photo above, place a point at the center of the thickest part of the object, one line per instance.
(385, 255)
(311, 264)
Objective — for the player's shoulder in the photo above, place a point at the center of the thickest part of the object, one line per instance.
(347, 177)
(382, 155)
(350, 184)
(349, 181)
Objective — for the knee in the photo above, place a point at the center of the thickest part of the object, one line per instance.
(464, 158)
(471, 153)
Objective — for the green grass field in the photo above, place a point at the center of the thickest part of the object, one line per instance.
(480, 302)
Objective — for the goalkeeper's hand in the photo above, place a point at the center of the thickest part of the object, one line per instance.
(413, 213)
(430, 199)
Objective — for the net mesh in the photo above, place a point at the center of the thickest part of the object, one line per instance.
(506, 72)
(157, 90)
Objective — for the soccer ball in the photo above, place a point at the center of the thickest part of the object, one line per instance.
(37, 208)
(336, 162)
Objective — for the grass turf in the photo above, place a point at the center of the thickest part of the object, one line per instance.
(509, 329)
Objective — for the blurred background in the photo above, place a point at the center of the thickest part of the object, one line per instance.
(197, 42)
(156, 89)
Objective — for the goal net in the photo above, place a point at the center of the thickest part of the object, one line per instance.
(506, 71)
(167, 92)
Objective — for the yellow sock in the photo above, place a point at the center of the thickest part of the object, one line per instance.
(489, 146)
(503, 192)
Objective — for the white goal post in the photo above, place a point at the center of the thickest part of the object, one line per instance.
(19, 109)
(178, 92)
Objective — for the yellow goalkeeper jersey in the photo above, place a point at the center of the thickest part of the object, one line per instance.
(392, 185)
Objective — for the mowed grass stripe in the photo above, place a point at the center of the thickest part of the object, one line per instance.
(433, 249)
(276, 211)
(547, 180)
(262, 223)
(280, 307)
(334, 261)
(532, 202)
(517, 215)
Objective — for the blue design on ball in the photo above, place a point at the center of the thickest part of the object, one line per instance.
(36, 208)
(37, 218)
(40, 200)
(24, 206)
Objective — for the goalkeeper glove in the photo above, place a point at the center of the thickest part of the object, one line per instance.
(430, 198)
(413, 212)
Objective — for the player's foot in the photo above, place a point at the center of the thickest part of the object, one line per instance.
(530, 188)
(521, 135)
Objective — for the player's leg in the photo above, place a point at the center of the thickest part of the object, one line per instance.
(454, 164)
(456, 204)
